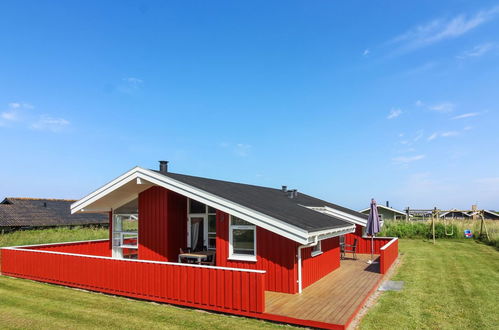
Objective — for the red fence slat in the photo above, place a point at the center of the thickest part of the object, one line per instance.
(221, 289)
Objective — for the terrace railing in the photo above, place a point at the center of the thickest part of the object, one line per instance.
(232, 290)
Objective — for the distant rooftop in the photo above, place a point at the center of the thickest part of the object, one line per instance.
(44, 212)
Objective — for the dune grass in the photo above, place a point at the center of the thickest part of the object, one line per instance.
(451, 285)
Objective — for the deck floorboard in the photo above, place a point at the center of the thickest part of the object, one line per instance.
(333, 299)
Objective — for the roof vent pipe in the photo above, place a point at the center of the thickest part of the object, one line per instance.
(163, 166)
(387, 204)
(284, 188)
(292, 193)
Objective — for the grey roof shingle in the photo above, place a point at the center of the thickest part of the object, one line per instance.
(272, 202)
(39, 212)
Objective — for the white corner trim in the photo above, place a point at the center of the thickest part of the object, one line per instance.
(274, 225)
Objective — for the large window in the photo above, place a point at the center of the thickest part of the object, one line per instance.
(242, 237)
(125, 235)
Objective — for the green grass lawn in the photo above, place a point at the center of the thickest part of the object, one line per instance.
(454, 284)
(451, 285)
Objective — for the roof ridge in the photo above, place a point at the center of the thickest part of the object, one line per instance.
(225, 181)
(41, 199)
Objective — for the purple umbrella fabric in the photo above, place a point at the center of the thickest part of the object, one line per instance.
(373, 225)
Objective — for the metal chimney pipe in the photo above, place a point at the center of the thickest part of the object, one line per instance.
(163, 166)
(387, 204)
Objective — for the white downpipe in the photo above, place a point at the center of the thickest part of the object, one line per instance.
(316, 240)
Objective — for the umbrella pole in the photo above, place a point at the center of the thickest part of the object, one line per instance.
(372, 248)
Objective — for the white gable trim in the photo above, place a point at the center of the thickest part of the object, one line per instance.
(386, 208)
(274, 225)
(339, 214)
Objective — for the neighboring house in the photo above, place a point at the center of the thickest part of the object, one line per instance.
(487, 215)
(456, 214)
(23, 213)
(270, 247)
(387, 213)
(491, 215)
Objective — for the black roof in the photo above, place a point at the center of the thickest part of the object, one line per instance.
(40, 212)
(272, 202)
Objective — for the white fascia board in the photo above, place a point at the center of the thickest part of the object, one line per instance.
(386, 208)
(325, 234)
(274, 225)
(104, 190)
(339, 214)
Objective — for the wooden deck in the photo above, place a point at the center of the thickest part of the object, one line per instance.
(334, 299)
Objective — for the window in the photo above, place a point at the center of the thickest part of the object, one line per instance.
(125, 235)
(316, 249)
(242, 237)
(212, 231)
(201, 226)
(196, 207)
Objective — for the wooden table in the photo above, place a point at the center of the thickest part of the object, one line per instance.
(198, 256)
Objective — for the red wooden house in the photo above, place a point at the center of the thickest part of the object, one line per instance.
(252, 249)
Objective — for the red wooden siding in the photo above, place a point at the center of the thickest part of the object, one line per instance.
(226, 290)
(315, 268)
(364, 243)
(93, 248)
(275, 254)
(176, 224)
(152, 224)
(388, 254)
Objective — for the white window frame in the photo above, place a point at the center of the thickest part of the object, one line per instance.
(117, 250)
(316, 249)
(210, 232)
(241, 257)
(205, 225)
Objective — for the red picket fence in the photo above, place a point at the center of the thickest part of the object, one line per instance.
(217, 288)
(388, 254)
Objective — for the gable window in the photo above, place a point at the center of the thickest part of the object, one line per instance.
(242, 240)
(316, 249)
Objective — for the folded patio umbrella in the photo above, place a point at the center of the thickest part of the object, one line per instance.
(372, 227)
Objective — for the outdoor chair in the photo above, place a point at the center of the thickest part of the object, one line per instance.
(210, 261)
(349, 248)
(188, 250)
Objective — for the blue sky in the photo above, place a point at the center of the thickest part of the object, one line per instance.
(345, 101)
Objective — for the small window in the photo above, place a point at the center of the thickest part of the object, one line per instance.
(316, 249)
(242, 240)
(212, 232)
